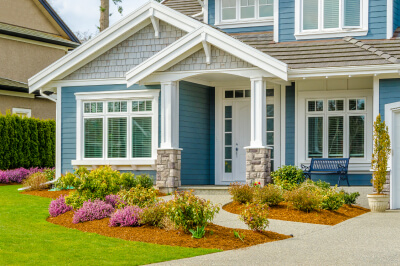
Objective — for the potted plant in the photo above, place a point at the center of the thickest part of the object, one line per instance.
(379, 201)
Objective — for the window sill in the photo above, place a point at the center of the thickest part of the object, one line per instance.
(134, 164)
(330, 34)
(245, 24)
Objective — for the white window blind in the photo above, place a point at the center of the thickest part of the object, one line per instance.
(335, 136)
(310, 14)
(141, 137)
(357, 134)
(331, 14)
(93, 138)
(247, 9)
(352, 10)
(315, 137)
(117, 132)
(266, 8)
(228, 9)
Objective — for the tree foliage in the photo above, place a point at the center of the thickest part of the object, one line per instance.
(381, 154)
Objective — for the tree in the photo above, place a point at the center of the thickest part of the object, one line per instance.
(105, 12)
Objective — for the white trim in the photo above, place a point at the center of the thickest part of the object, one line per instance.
(219, 97)
(27, 112)
(110, 37)
(238, 22)
(87, 82)
(389, 19)
(169, 115)
(276, 20)
(283, 125)
(390, 110)
(376, 97)
(17, 94)
(156, 23)
(301, 34)
(343, 71)
(258, 118)
(205, 12)
(191, 43)
(124, 96)
(50, 45)
(58, 133)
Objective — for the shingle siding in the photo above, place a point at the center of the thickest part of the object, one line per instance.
(117, 61)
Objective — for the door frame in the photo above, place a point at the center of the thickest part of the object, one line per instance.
(390, 110)
(219, 129)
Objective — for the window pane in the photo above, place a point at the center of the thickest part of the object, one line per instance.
(149, 106)
(352, 104)
(228, 111)
(331, 105)
(100, 107)
(356, 136)
(352, 9)
(135, 106)
(315, 132)
(117, 128)
(270, 138)
(247, 9)
(310, 14)
(93, 138)
(270, 110)
(228, 139)
(239, 94)
(331, 14)
(339, 105)
(270, 92)
(266, 8)
(141, 137)
(248, 93)
(142, 106)
(228, 166)
(228, 94)
(228, 125)
(311, 106)
(228, 152)
(319, 106)
(228, 9)
(335, 135)
(360, 104)
(270, 124)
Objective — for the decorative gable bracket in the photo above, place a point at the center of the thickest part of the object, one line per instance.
(156, 23)
(207, 47)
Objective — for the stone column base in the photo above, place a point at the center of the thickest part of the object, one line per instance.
(258, 166)
(168, 170)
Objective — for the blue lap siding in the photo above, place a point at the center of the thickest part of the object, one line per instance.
(68, 121)
(290, 125)
(196, 133)
(389, 92)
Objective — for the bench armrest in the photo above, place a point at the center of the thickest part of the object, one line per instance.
(305, 168)
(342, 168)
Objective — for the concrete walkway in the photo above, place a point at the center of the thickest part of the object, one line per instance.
(368, 239)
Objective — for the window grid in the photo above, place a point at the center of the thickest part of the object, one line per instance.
(244, 10)
(228, 132)
(336, 133)
(117, 139)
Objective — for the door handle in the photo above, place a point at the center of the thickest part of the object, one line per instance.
(237, 149)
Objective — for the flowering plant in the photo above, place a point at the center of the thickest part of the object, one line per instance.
(128, 216)
(255, 216)
(241, 193)
(93, 210)
(257, 184)
(58, 207)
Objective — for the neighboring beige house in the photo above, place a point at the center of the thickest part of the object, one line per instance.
(32, 36)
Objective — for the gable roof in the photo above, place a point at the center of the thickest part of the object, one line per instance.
(198, 33)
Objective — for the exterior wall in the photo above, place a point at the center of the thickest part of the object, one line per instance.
(211, 21)
(389, 92)
(41, 108)
(25, 13)
(24, 59)
(290, 125)
(396, 14)
(376, 27)
(128, 54)
(68, 121)
(196, 133)
(220, 60)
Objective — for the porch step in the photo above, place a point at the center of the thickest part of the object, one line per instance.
(206, 190)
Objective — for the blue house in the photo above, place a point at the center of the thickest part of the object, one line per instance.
(220, 91)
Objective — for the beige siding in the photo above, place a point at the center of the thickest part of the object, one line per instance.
(41, 108)
(23, 60)
(25, 13)
(128, 54)
(332, 84)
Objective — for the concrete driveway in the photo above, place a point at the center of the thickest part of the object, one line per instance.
(370, 239)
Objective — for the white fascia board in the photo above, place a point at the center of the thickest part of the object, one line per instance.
(344, 71)
(109, 38)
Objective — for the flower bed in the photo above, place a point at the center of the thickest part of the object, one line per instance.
(216, 236)
(17, 176)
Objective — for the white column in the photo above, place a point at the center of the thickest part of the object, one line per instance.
(376, 97)
(258, 113)
(58, 133)
(170, 115)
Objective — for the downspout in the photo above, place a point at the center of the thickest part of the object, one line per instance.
(204, 6)
(53, 181)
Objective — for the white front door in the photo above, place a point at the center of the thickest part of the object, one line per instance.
(236, 137)
(395, 186)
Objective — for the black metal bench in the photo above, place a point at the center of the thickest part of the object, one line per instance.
(327, 166)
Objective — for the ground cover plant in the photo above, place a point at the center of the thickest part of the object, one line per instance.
(20, 174)
(26, 238)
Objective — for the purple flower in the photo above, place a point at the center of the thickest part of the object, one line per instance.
(128, 216)
(113, 200)
(93, 210)
(18, 175)
(58, 207)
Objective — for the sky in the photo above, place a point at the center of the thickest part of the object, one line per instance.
(83, 15)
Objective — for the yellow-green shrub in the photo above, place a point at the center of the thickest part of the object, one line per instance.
(138, 196)
(270, 194)
(241, 193)
(255, 216)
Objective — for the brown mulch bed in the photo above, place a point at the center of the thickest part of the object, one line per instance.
(216, 237)
(9, 184)
(47, 194)
(286, 212)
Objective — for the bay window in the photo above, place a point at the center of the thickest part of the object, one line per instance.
(230, 13)
(119, 131)
(331, 18)
(336, 128)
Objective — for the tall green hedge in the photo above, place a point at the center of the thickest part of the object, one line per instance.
(26, 142)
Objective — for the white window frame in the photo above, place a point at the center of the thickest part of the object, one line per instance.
(321, 33)
(356, 164)
(238, 22)
(20, 111)
(109, 96)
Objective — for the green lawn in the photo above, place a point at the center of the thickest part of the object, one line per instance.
(27, 238)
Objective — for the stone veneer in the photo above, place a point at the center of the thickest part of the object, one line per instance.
(258, 166)
(168, 170)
